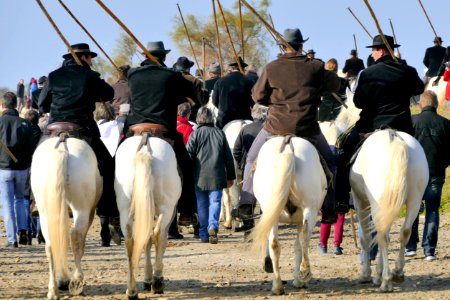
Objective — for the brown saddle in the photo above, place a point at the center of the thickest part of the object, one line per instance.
(151, 130)
(64, 130)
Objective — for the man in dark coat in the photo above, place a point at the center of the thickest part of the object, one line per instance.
(198, 95)
(233, 95)
(383, 93)
(353, 65)
(214, 71)
(20, 93)
(69, 96)
(15, 133)
(252, 73)
(156, 92)
(433, 133)
(433, 58)
(121, 90)
(443, 65)
(291, 87)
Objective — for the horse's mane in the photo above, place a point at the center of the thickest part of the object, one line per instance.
(347, 117)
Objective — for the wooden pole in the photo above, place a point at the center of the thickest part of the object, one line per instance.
(356, 45)
(203, 63)
(241, 23)
(218, 37)
(359, 22)
(75, 57)
(189, 38)
(148, 54)
(380, 31)
(273, 26)
(267, 25)
(395, 38)
(91, 37)
(6, 149)
(229, 37)
(426, 15)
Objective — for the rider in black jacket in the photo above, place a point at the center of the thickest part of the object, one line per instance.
(69, 96)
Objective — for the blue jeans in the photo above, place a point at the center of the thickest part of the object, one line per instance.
(432, 199)
(15, 206)
(208, 209)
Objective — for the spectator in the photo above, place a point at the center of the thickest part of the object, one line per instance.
(20, 94)
(329, 107)
(15, 133)
(35, 95)
(447, 78)
(121, 90)
(183, 125)
(213, 171)
(433, 133)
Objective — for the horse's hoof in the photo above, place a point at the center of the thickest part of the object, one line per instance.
(133, 297)
(399, 278)
(76, 287)
(268, 267)
(147, 286)
(305, 276)
(228, 227)
(278, 292)
(158, 285)
(52, 296)
(365, 279)
(299, 284)
(63, 285)
(377, 281)
(386, 287)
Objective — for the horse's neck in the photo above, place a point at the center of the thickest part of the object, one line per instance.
(348, 116)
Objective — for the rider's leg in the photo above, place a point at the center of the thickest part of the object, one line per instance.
(343, 170)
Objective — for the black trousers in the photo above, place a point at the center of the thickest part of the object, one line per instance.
(107, 205)
(346, 152)
(187, 204)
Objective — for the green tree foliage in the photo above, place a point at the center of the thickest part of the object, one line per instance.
(122, 54)
(256, 36)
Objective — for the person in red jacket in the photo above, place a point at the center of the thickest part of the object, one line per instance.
(183, 125)
(446, 78)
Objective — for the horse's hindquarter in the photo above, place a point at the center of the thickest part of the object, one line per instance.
(374, 164)
(164, 170)
(307, 188)
(83, 178)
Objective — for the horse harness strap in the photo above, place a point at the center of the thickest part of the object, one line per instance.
(65, 130)
(287, 140)
(147, 130)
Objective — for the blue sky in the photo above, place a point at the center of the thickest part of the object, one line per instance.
(31, 48)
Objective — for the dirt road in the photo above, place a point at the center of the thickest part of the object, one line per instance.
(228, 270)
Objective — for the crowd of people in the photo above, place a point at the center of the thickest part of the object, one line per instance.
(290, 96)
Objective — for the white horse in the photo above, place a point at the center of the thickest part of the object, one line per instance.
(439, 89)
(147, 187)
(390, 170)
(65, 175)
(290, 185)
(230, 196)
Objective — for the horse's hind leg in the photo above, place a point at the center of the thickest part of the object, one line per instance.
(225, 213)
(386, 280)
(148, 270)
(52, 288)
(363, 212)
(129, 244)
(160, 237)
(78, 238)
(274, 251)
(302, 243)
(412, 210)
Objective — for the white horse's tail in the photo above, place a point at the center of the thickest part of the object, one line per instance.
(56, 210)
(142, 202)
(395, 188)
(284, 171)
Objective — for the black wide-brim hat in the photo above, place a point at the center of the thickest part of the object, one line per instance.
(81, 48)
(156, 47)
(378, 42)
(293, 37)
(183, 63)
(235, 63)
